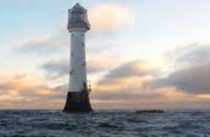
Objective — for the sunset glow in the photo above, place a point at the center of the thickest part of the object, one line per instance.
(140, 54)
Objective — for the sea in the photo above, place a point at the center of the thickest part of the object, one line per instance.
(104, 123)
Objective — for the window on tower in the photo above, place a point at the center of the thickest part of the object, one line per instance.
(82, 17)
(71, 72)
(84, 63)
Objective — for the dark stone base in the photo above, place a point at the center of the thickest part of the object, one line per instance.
(77, 102)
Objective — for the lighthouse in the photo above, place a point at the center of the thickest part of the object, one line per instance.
(78, 92)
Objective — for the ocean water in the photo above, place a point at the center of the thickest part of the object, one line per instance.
(54, 123)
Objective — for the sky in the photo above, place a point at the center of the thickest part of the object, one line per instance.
(140, 53)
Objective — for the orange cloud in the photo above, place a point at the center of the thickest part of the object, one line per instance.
(128, 89)
(25, 92)
(125, 90)
(203, 96)
(110, 16)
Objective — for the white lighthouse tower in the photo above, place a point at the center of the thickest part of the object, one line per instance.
(78, 95)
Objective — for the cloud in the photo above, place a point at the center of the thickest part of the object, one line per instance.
(192, 77)
(136, 68)
(37, 43)
(132, 84)
(55, 69)
(123, 85)
(44, 45)
(25, 92)
(108, 96)
(195, 55)
(109, 17)
(191, 54)
(192, 80)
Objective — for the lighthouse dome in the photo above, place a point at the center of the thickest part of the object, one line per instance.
(78, 9)
(78, 18)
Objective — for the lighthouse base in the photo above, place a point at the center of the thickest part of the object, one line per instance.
(77, 102)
